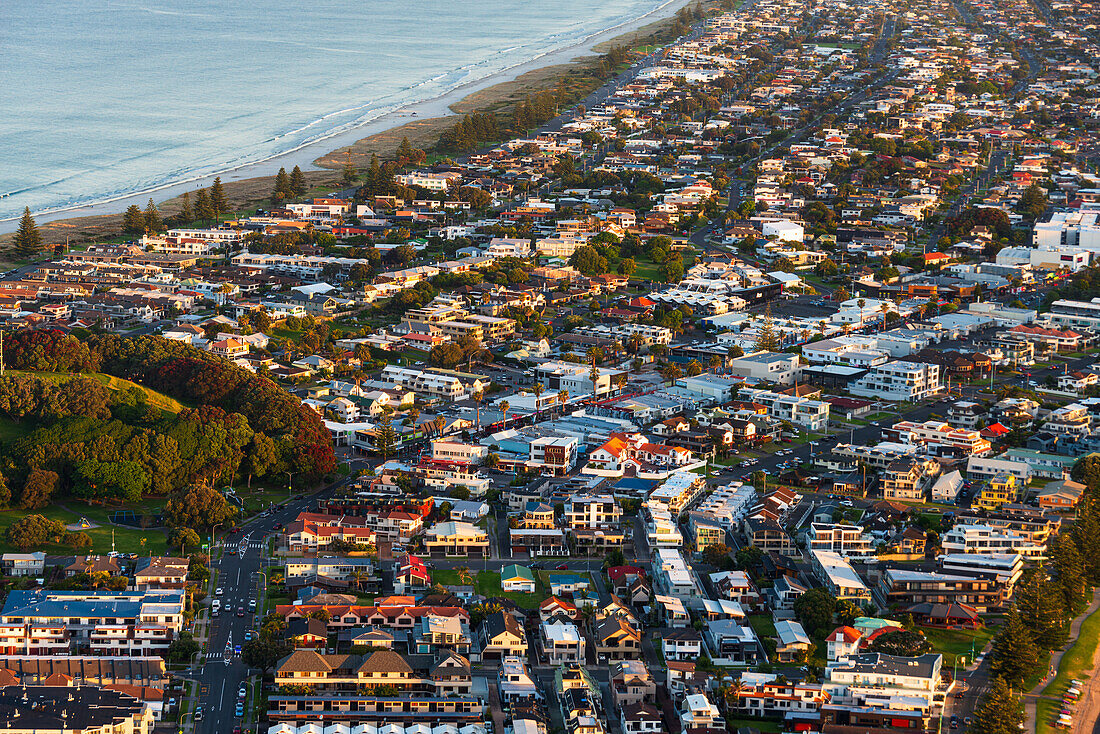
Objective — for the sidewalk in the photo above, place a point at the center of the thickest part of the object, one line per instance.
(1031, 698)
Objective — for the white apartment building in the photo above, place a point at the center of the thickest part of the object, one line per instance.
(220, 236)
(430, 382)
(444, 450)
(1069, 228)
(1075, 314)
(647, 333)
(673, 573)
(778, 367)
(988, 467)
(900, 381)
(848, 541)
(837, 575)
(873, 679)
(939, 433)
(990, 539)
(661, 529)
(837, 351)
(508, 247)
(574, 378)
(1007, 568)
(801, 412)
(553, 454)
(729, 504)
(678, 491)
(592, 511)
(427, 180)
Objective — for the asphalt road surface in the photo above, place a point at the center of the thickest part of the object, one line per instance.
(222, 672)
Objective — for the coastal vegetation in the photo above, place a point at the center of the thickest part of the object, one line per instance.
(112, 420)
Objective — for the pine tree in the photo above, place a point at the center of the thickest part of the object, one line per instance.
(1015, 655)
(384, 436)
(282, 190)
(153, 222)
(297, 182)
(133, 221)
(351, 173)
(1070, 572)
(1041, 608)
(204, 209)
(998, 712)
(217, 198)
(404, 152)
(767, 340)
(186, 214)
(28, 240)
(1086, 536)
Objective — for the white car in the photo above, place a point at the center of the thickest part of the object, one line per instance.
(218, 591)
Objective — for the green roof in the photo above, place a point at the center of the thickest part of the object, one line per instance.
(516, 571)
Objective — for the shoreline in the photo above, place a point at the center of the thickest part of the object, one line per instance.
(57, 226)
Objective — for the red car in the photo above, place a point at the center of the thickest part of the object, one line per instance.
(563, 567)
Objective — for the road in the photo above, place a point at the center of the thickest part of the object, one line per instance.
(222, 672)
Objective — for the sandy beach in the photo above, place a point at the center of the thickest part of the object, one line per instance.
(421, 122)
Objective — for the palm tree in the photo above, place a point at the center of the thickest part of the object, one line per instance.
(504, 406)
(885, 308)
(478, 396)
(861, 303)
(538, 393)
(357, 578)
(464, 574)
(563, 398)
(734, 691)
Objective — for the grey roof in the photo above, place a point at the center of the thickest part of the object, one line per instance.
(922, 666)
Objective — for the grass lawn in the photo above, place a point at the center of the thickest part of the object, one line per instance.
(764, 725)
(11, 431)
(487, 583)
(152, 397)
(953, 643)
(1076, 665)
(125, 539)
(259, 498)
(762, 624)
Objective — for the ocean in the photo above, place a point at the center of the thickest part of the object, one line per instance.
(100, 99)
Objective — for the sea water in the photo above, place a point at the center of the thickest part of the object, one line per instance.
(104, 98)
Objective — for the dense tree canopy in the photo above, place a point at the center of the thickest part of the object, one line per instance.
(96, 443)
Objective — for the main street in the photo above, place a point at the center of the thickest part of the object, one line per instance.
(221, 672)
